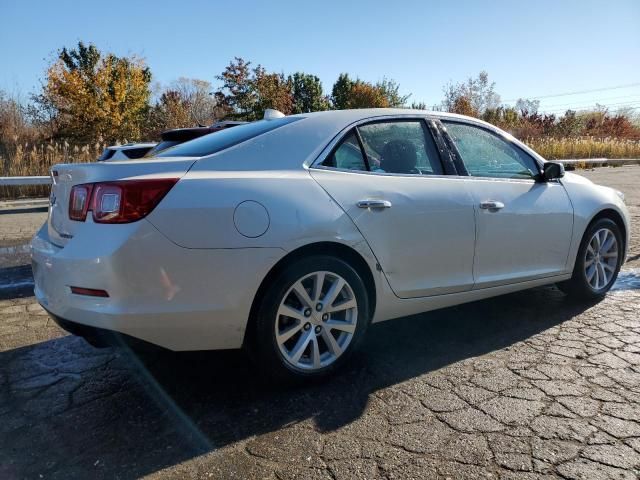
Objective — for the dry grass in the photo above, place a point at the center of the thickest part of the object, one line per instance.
(578, 148)
(29, 159)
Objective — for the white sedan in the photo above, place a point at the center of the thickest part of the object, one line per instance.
(290, 235)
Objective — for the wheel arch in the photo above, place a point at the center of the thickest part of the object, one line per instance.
(335, 249)
(616, 217)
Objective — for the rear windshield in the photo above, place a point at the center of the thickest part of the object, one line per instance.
(217, 141)
(136, 152)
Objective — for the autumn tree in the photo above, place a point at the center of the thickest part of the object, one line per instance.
(95, 94)
(365, 95)
(170, 111)
(247, 92)
(347, 93)
(238, 92)
(472, 97)
(390, 90)
(272, 90)
(463, 106)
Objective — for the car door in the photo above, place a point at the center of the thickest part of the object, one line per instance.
(388, 177)
(524, 226)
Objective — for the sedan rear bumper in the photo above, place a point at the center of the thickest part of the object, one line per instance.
(173, 297)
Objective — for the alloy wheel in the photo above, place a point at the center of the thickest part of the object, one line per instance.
(316, 320)
(601, 259)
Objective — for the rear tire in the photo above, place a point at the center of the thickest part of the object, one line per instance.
(598, 261)
(309, 320)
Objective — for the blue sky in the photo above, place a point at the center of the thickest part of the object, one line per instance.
(530, 49)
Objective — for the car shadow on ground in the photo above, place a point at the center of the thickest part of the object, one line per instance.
(68, 409)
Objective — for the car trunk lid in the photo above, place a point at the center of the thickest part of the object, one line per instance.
(64, 176)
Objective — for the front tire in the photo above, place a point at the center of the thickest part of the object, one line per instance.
(309, 320)
(598, 261)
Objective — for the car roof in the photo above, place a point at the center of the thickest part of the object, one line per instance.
(307, 138)
(358, 114)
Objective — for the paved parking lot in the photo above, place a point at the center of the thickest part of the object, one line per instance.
(524, 386)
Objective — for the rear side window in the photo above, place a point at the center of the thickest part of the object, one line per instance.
(217, 141)
(404, 147)
(348, 155)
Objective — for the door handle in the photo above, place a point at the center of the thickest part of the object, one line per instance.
(374, 204)
(491, 205)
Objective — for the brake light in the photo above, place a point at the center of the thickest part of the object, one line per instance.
(120, 202)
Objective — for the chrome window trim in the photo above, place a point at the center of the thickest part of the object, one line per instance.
(326, 151)
(385, 174)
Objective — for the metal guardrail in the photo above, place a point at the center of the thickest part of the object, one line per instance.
(19, 181)
(600, 162)
(594, 162)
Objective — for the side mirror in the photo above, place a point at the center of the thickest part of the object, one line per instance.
(552, 170)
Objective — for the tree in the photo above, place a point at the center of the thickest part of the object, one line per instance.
(238, 91)
(307, 93)
(347, 93)
(246, 93)
(95, 94)
(524, 105)
(390, 89)
(341, 91)
(14, 126)
(475, 95)
(272, 91)
(463, 105)
(171, 111)
(365, 95)
(201, 104)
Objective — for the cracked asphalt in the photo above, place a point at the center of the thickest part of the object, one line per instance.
(529, 385)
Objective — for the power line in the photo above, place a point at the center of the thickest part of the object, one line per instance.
(578, 92)
(592, 101)
(584, 110)
(593, 105)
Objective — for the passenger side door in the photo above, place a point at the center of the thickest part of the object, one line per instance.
(523, 225)
(388, 177)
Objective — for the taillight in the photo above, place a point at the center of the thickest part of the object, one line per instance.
(124, 201)
(79, 201)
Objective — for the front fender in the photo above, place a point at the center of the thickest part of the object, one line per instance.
(589, 200)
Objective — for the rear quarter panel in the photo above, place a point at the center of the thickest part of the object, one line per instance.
(199, 211)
